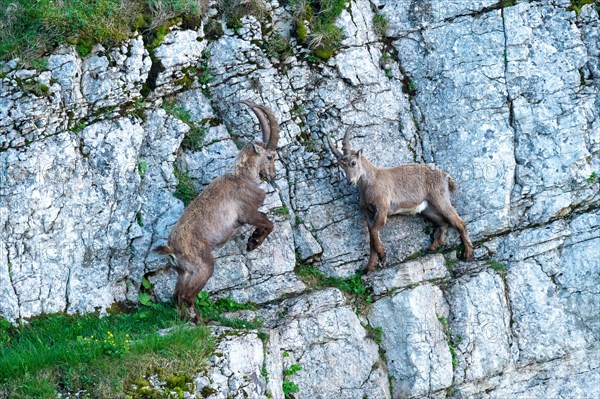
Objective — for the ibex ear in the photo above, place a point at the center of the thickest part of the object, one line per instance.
(255, 147)
(359, 153)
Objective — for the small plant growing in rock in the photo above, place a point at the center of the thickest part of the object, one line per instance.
(375, 333)
(288, 386)
(498, 267)
(284, 210)
(293, 369)
(278, 47)
(142, 167)
(593, 178)
(380, 24)
(213, 311)
(577, 5)
(315, 28)
(185, 190)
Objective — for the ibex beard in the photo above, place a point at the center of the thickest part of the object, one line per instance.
(212, 218)
(407, 189)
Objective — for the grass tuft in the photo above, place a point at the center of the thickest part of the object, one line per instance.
(185, 190)
(380, 24)
(353, 285)
(315, 28)
(213, 311)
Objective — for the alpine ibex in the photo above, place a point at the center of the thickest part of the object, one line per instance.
(404, 190)
(210, 220)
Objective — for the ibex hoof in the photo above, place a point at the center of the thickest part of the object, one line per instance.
(383, 260)
(252, 245)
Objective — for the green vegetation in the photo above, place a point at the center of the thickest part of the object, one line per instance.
(453, 341)
(213, 311)
(288, 386)
(284, 210)
(319, 15)
(353, 285)
(449, 263)
(500, 268)
(185, 190)
(233, 10)
(61, 354)
(194, 139)
(278, 47)
(375, 333)
(29, 28)
(142, 167)
(416, 255)
(380, 24)
(593, 178)
(576, 5)
(293, 369)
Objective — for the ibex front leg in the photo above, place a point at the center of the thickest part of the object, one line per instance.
(264, 227)
(377, 251)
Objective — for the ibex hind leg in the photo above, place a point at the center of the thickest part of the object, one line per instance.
(439, 237)
(447, 210)
(187, 288)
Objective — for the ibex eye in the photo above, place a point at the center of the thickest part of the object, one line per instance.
(269, 157)
(353, 163)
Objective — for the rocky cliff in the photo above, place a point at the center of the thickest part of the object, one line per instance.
(504, 96)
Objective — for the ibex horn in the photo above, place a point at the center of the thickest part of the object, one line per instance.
(274, 128)
(334, 149)
(264, 123)
(346, 143)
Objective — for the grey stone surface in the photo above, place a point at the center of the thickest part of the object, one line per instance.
(235, 369)
(417, 353)
(479, 326)
(321, 333)
(409, 273)
(504, 98)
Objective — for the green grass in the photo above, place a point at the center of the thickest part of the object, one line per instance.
(500, 268)
(213, 311)
(353, 285)
(103, 356)
(194, 139)
(278, 47)
(283, 211)
(593, 178)
(29, 28)
(380, 24)
(576, 5)
(185, 190)
(324, 37)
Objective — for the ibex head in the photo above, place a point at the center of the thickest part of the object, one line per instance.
(265, 151)
(349, 160)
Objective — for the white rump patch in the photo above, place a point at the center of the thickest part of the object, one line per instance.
(411, 211)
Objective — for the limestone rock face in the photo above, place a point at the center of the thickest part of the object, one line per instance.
(505, 96)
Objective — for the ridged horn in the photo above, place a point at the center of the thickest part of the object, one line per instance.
(346, 143)
(334, 149)
(273, 128)
(262, 119)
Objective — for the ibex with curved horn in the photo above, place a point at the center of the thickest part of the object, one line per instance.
(404, 190)
(227, 203)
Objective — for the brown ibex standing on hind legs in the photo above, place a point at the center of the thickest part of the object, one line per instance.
(404, 190)
(210, 220)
